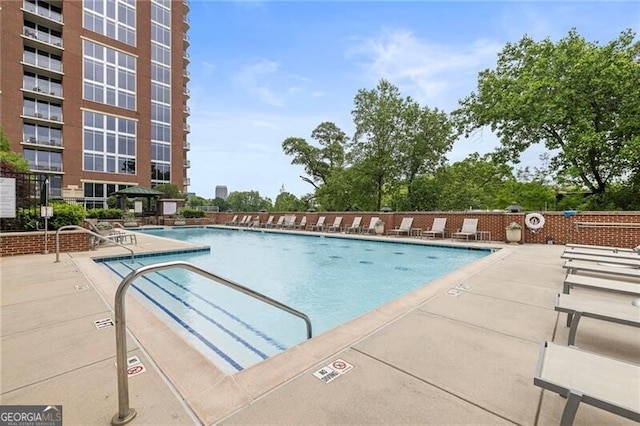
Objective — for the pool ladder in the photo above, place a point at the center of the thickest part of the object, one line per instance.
(125, 412)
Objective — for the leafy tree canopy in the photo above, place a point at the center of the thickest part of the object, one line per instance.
(248, 201)
(575, 96)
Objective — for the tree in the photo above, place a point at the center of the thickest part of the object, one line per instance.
(221, 204)
(248, 201)
(319, 162)
(426, 137)
(576, 97)
(169, 190)
(288, 202)
(11, 161)
(377, 115)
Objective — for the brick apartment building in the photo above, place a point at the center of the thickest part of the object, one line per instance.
(94, 93)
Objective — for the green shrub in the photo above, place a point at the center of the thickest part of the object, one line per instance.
(28, 220)
(105, 214)
(66, 214)
(192, 213)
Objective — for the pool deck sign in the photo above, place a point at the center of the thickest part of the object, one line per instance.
(134, 366)
(332, 371)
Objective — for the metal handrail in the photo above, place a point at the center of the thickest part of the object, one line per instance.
(80, 228)
(125, 413)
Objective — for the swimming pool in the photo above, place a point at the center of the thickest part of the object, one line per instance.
(333, 280)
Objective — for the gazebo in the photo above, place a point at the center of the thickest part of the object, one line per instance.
(138, 192)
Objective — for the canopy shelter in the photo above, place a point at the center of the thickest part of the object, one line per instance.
(138, 192)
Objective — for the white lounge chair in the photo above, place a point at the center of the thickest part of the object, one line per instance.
(319, 226)
(585, 281)
(336, 225)
(575, 266)
(602, 248)
(302, 224)
(371, 229)
(438, 228)
(404, 228)
(611, 260)
(268, 223)
(469, 229)
(278, 223)
(289, 221)
(232, 221)
(585, 377)
(577, 307)
(602, 253)
(355, 225)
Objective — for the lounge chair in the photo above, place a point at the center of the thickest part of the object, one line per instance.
(232, 221)
(268, 223)
(246, 221)
(289, 221)
(336, 225)
(616, 286)
(319, 226)
(602, 248)
(302, 224)
(575, 266)
(438, 228)
(469, 229)
(577, 307)
(621, 259)
(581, 376)
(355, 225)
(241, 222)
(603, 253)
(404, 228)
(278, 224)
(371, 229)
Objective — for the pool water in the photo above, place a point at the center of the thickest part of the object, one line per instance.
(332, 280)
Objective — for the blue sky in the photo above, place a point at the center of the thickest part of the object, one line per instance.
(262, 71)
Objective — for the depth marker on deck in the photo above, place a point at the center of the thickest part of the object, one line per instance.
(103, 323)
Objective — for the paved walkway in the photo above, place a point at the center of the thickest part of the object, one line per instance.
(463, 356)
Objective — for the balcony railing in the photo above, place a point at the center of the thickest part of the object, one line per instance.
(187, 128)
(42, 36)
(46, 167)
(186, 146)
(187, 110)
(43, 62)
(187, 164)
(43, 142)
(187, 181)
(44, 116)
(42, 11)
(187, 93)
(44, 90)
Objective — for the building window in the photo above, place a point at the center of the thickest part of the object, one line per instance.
(43, 160)
(41, 84)
(109, 144)
(96, 193)
(115, 19)
(160, 173)
(41, 135)
(42, 33)
(109, 76)
(42, 59)
(41, 109)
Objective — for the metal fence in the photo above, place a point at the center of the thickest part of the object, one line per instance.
(31, 191)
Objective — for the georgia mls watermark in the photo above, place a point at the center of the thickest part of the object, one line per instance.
(30, 415)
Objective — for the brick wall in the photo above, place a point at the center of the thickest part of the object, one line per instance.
(620, 229)
(15, 243)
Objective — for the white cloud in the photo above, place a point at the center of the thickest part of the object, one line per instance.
(252, 78)
(437, 74)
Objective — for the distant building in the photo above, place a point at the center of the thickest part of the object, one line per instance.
(221, 192)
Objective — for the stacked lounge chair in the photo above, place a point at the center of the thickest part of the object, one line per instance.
(586, 377)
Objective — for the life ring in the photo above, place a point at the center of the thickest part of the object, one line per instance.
(534, 221)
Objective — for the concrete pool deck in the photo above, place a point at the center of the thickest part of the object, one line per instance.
(462, 350)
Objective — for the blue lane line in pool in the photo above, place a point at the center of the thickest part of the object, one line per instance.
(248, 326)
(186, 326)
(211, 320)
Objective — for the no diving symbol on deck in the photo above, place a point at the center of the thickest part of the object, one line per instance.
(135, 370)
(333, 370)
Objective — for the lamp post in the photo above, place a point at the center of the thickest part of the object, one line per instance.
(44, 199)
